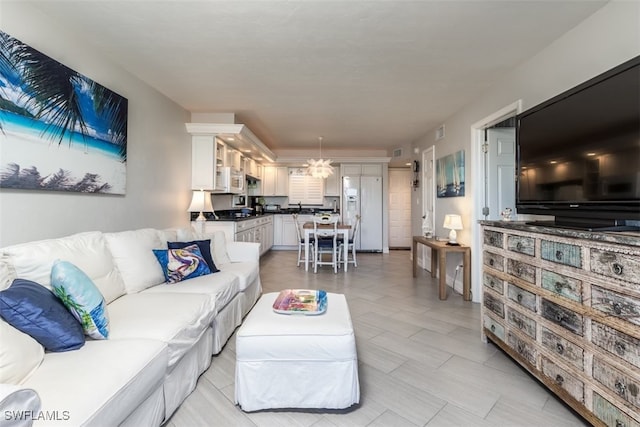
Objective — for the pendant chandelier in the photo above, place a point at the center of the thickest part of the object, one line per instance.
(320, 168)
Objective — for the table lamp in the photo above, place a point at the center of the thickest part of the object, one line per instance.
(453, 223)
(201, 202)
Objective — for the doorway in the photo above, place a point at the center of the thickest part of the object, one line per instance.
(400, 208)
(493, 152)
(428, 203)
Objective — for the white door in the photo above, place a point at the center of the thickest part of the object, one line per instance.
(399, 208)
(500, 167)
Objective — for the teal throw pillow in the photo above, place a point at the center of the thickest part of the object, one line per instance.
(81, 296)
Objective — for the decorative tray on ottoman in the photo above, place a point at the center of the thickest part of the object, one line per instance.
(301, 301)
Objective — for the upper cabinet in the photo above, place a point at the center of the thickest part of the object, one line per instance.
(332, 183)
(252, 168)
(275, 181)
(361, 169)
(218, 145)
(207, 159)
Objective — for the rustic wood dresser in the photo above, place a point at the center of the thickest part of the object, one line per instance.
(565, 304)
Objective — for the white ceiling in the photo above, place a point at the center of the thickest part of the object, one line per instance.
(363, 74)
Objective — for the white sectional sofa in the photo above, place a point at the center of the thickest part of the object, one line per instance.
(162, 336)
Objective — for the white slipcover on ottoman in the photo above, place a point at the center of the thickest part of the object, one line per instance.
(296, 361)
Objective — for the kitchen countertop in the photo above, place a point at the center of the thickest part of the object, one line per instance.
(238, 215)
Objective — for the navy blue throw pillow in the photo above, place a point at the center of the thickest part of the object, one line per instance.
(205, 250)
(36, 311)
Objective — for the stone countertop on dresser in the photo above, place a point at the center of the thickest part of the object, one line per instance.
(630, 238)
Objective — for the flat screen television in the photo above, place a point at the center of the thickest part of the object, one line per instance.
(578, 153)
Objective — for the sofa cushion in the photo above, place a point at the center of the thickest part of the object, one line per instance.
(205, 250)
(88, 251)
(220, 289)
(132, 253)
(78, 293)
(36, 311)
(100, 384)
(176, 319)
(246, 271)
(20, 354)
(219, 248)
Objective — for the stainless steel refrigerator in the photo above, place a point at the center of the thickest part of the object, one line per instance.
(362, 195)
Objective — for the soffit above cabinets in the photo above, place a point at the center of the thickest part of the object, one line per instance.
(237, 136)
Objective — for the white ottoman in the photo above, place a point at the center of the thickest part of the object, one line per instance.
(296, 361)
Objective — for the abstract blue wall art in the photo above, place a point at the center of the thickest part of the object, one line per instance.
(59, 130)
(450, 175)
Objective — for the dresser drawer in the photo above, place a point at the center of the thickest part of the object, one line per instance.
(494, 304)
(524, 348)
(563, 379)
(619, 266)
(620, 383)
(494, 261)
(615, 304)
(523, 323)
(492, 282)
(521, 244)
(522, 270)
(494, 238)
(562, 316)
(611, 415)
(564, 286)
(561, 253)
(567, 350)
(494, 326)
(524, 298)
(616, 342)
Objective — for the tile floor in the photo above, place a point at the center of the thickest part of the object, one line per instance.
(422, 362)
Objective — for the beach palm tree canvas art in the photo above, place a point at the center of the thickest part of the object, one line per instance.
(59, 130)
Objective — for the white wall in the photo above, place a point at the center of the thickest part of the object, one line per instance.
(158, 149)
(607, 38)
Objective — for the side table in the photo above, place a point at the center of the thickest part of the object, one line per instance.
(439, 251)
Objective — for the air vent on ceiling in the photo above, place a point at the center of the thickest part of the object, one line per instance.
(440, 133)
(397, 152)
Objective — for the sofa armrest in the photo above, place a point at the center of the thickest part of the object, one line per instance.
(19, 405)
(243, 251)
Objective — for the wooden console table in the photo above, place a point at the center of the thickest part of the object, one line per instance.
(439, 251)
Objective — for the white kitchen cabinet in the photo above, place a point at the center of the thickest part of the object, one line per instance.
(277, 229)
(208, 156)
(257, 230)
(361, 169)
(332, 184)
(275, 181)
(285, 235)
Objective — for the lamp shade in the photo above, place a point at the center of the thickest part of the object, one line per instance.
(200, 202)
(453, 222)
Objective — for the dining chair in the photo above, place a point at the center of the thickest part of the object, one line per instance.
(351, 245)
(325, 232)
(300, 237)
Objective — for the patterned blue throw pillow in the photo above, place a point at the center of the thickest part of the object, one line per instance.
(81, 296)
(182, 264)
(35, 310)
(205, 250)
